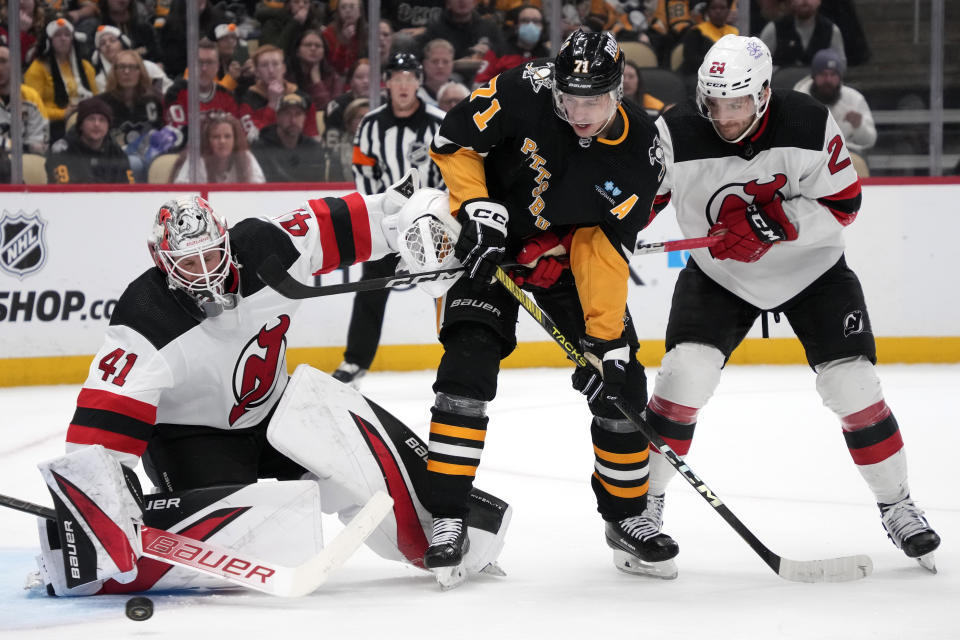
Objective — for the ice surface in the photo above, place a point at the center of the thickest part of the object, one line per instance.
(765, 445)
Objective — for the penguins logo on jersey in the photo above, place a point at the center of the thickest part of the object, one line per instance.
(656, 155)
(539, 77)
(258, 368)
(734, 198)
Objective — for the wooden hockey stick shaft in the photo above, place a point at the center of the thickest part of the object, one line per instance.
(832, 570)
(240, 567)
(274, 275)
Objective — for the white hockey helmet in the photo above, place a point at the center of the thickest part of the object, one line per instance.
(735, 67)
(428, 233)
(191, 245)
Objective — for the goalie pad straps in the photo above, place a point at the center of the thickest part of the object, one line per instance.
(96, 512)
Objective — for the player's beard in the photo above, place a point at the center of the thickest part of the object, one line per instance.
(827, 96)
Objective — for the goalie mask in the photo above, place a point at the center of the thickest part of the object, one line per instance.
(733, 85)
(427, 235)
(191, 245)
(588, 81)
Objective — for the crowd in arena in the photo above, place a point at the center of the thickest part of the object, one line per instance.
(284, 85)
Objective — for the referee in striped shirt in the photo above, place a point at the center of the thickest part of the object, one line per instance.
(391, 139)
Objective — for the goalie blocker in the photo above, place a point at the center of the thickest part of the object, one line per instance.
(352, 448)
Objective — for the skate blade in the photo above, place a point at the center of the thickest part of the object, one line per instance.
(493, 569)
(450, 577)
(665, 570)
(928, 562)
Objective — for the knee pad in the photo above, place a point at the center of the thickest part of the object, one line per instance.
(848, 385)
(689, 374)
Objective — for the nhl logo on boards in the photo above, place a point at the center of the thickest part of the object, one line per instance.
(22, 243)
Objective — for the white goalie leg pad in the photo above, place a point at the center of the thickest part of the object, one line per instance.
(849, 385)
(277, 521)
(355, 449)
(96, 514)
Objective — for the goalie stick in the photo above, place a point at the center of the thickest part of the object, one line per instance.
(241, 568)
(841, 569)
(274, 275)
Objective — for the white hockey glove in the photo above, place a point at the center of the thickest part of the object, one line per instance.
(392, 202)
(97, 513)
(427, 235)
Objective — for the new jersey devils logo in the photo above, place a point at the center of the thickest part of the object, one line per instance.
(735, 197)
(258, 368)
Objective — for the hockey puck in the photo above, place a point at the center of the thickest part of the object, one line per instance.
(139, 608)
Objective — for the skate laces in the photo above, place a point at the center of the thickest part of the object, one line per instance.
(647, 524)
(446, 530)
(903, 520)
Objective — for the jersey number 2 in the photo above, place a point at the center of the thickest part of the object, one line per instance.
(834, 147)
(108, 364)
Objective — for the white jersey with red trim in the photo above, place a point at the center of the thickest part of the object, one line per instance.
(797, 155)
(164, 362)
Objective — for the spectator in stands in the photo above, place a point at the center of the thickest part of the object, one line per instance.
(109, 42)
(346, 35)
(698, 39)
(235, 72)
(385, 41)
(843, 13)
(600, 15)
(635, 92)
(284, 153)
(225, 155)
(173, 34)
(793, 39)
(61, 76)
(437, 69)
(263, 98)
(525, 41)
(32, 21)
(352, 116)
(310, 70)
(82, 14)
(213, 97)
(130, 19)
(358, 86)
(36, 127)
(470, 34)
(333, 167)
(137, 109)
(281, 27)
(87, 154)
(667, 22)
(848, 106)
(450, 94)
(409, 19)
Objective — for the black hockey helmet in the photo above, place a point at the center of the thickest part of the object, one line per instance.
(589, 64)
(403, 61)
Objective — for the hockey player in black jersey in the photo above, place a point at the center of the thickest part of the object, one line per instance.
(770, 173)
(546, 166)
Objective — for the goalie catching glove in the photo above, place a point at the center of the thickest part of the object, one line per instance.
(483, 238)
(607, 373)
(747, 234)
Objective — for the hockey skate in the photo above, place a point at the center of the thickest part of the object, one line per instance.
(909, 531)
(349, 373)
(444, 557)
(639, 547)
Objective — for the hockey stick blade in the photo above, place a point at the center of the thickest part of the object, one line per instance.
(833, 570)
(272, 273)
(241, 568)
(675, 245)
(268, 577)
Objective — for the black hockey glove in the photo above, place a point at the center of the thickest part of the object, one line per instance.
(483, 236)
(607, 373)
